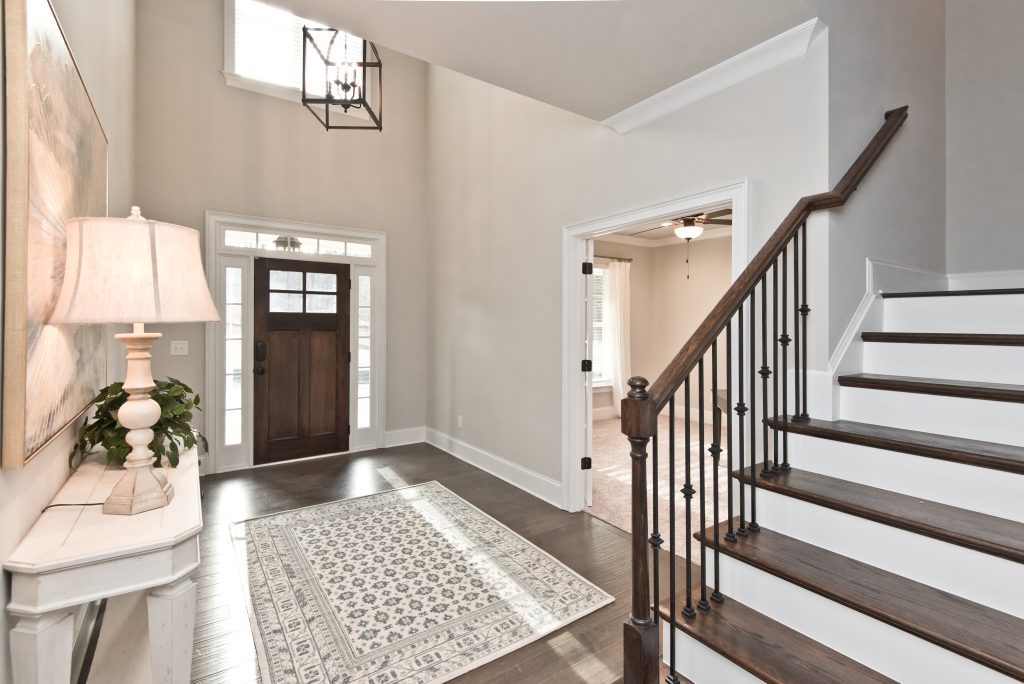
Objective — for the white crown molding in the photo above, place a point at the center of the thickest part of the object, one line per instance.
(786, 47)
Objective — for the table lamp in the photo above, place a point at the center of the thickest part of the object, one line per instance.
(134, 271)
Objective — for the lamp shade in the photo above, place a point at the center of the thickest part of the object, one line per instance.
(132, 271)
(689, 232)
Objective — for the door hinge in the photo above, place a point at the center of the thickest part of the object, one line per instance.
(586, 463)
(587, 365)
(588, 268)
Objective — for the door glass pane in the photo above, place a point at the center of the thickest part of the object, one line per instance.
(332, 247)
(233, 356)
(364, 322)
(321, 282)
(364, 382)
(363, 413)
(281, 302)
(239, 238)
(232, 285)
(318, 303)
(286, 280)
(364, 352)
(232, 427)
(364, 290)
(233, 321)
(356, 249)
(233, 391)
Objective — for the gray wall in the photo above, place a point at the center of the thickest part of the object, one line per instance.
(984, 134)
(102, 38)
(507, 173)
(204, 145)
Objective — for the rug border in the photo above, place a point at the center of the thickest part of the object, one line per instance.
(241, 568)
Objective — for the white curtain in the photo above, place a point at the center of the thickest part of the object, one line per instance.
(616, 328)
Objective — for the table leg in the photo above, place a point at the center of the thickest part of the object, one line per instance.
(172, 619)
(41, 648)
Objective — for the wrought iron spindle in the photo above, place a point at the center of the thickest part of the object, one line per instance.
(656, 539)
(715, 450)
(741, 411)
(796, 324)
(672, 679)
(687, 490)
(703, 602)
(765, 373)
(730, 535)
(753, 527)
(775, 364)
(804, 310)
(784, 341)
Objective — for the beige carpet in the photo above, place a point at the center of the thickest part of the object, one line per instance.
(612, 480)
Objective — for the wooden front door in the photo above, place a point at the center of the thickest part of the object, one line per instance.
(301, 359)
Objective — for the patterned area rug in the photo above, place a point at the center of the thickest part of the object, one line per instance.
(411, 585)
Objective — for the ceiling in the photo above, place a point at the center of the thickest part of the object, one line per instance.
(594, 58)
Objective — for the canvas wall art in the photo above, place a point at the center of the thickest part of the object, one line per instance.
(56, 169)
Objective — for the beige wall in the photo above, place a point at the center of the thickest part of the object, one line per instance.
(204, 145)
(507, 173)
(984, 120)
(102, 37)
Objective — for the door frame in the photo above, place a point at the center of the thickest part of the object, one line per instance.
(218, 256)
(575, 419)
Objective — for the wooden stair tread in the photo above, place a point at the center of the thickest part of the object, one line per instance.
(991, 391)
(953, 293)
(972, 630)
(957, 449)
(970, 529)
(768, 649)
(985, 339)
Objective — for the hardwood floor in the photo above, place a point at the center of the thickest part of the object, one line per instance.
(589, 650)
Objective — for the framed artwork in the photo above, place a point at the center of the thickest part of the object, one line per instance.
(56, 169)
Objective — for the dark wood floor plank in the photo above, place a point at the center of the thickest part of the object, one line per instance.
(977, 632)
(769, 650)
(985, 533)
(952, 293)
(983, 339)
(991, 391)
(957, 449)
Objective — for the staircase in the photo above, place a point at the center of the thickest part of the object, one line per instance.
(884, 546)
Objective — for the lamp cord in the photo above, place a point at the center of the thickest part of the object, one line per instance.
(70, 504)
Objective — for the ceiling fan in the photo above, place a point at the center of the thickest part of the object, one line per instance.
(690, 227)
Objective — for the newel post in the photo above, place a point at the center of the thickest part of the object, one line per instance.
(640, 632)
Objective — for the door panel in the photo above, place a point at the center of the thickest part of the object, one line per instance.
(301, 389)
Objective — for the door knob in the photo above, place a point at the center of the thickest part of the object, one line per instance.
(260, 370)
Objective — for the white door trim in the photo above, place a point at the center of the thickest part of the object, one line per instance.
(574, 238)
(218, 256)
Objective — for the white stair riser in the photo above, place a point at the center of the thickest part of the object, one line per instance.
(923, 559)
(994, 492)
(885, 649)
(950, 361)
(968, 314)
(703, 665)
(990, 421)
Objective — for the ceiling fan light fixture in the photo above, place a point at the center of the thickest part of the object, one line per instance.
(689, 232)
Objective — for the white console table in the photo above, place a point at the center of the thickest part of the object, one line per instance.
(76, 554)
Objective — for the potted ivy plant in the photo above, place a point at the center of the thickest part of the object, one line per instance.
(171, 433)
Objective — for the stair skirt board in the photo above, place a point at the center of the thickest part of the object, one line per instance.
(973, 575)
(957, 362)
(702, 664)
(993, 492)
(991, 421)
(967, 314)
(886, 649)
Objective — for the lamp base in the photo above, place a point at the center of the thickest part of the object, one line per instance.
(140, 490)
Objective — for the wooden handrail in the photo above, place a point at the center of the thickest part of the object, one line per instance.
(639, 416)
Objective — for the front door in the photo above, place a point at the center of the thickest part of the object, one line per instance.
(301, 359)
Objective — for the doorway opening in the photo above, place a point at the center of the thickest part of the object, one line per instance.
(315, 297)
(716, 258)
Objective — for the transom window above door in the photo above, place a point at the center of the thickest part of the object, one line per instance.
(303, 244)
(303, 292)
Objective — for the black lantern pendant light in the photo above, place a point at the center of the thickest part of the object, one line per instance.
(341, 79)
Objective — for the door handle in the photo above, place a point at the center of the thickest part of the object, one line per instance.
(261, 351)
(259, 370)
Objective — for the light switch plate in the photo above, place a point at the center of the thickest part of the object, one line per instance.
(179, 347)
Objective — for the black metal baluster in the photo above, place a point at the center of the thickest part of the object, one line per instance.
(687, 490)
(730, 535)
(775, 363)
(703, 602)
(672, 679)
(765, 372)
(753, 526)
(656, 539)
(784, 341)
(804, 310)
(741, 411)
(715, 450)
(796, 323)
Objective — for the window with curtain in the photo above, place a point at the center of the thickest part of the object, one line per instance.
(609, 297)
(601, 374)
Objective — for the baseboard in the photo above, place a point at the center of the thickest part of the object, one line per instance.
(403, 436)
(540, 486)
(986, 280)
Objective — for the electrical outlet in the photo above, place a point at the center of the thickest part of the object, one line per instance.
(458, 421)
(179, 347)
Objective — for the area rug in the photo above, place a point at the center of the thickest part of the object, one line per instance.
(411, 585)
